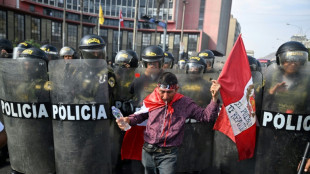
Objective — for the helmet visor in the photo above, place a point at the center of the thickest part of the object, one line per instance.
(93, 53)
(194, 68)
(293, 56)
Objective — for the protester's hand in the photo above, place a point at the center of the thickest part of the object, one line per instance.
(279, 87)
(307, 166)
(215, 87)
(120, 122)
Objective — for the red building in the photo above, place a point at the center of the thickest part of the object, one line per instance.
(205, 24)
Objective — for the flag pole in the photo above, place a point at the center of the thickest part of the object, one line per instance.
(119, 30)
(99, 18)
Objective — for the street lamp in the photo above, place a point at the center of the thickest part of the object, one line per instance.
(300, 28)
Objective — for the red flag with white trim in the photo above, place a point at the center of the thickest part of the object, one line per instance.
(121, 20)
(237, 117)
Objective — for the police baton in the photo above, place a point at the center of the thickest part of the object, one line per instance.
(304, 159)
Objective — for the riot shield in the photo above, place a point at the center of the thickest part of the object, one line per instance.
(80, 104)
(195, 153)
(124, 77)
(284, 127)
(26, 109)
(225, 154)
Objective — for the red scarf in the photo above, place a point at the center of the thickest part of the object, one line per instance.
(153, 101)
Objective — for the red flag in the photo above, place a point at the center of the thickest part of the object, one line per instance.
(121, 20)
(237, 118)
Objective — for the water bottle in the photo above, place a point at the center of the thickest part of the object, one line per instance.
(118, 114)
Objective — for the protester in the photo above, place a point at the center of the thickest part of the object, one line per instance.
(166, 111)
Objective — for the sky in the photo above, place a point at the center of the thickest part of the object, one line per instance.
(264, 23)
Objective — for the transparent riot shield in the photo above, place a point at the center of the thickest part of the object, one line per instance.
(195, 153)
(225, 154)
(17, 51)
(123, 98)
(284, 123)
(26, 109)
(81, 124)
(143, 84)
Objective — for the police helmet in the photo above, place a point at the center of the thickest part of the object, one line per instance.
(254, 64)
(292, 51)
(33, 53)
(153, 54)
(195, 65)
(181, 63)
(168, 60)
(124, 57)
(67, 51)
(208, 55)
(51, 51)
(92, 47)
(20, 48)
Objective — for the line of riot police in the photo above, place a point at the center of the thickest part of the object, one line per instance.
(93, 145)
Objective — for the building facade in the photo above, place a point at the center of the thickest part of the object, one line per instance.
(204, 26)
(233, 33)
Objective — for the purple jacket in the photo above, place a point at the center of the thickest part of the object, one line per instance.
(183, 108)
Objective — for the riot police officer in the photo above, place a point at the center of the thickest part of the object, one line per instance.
(68, 53)
(283, 134)
(181, 64)
(168, 60)
(31, 87)
(127, 59)
(152, 60)
(6, 48)
(51, 51)
(208, 55)
(20, 48)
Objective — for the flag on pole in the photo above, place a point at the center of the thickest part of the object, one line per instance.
(121, 20)
(237, 117)
(101, 18)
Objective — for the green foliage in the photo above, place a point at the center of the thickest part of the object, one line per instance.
(30, 41)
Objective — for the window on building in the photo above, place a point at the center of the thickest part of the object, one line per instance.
(192, 42)
(129, 40)
(87, 30)
(56, 34)
(146, 40)
(36, 29)
(19, 27)
(2, 24)
(201, 14)
(176, 45)
(72, 35)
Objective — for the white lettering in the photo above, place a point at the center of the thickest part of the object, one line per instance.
(55, 111)
(77, 112)
(267, 118)
(70, 117)
(102, 113)
(276, 123)
(289, 122)
(2, 106)
(25, 108)
(93, 112)
(306, 124)
(19, 111)
(299, 122)
(14, 114)
(42, 111)
(62, 112)
(34, 111)
(7, 109)
(85, 116)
